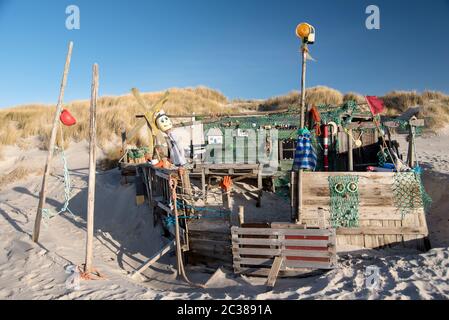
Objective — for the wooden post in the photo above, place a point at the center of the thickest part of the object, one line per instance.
(292, 195)
(411, 147)
(241, 215)
(259, 186)
(299, 220)
(203, 184)
(192, 148)
(304, 51)
(124, 142)
(350, 152)
(51, 147)
(92, 170)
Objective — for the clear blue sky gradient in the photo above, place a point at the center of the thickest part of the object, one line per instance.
(246, 48)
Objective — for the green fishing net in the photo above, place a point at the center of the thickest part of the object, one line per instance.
(344, 193)
(138, 153)
(409, 193)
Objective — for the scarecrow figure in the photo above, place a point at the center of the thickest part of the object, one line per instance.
(164, 124)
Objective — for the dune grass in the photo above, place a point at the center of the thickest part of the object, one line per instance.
(115, 113)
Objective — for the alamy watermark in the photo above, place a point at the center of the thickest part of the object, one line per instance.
(73, 20)
(73, 281)
(373, 20)
(372, 274)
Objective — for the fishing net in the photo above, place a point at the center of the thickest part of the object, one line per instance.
(138, 153)
(344, 191)
(409, 193)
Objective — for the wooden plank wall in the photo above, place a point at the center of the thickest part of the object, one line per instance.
(255, 249)
(380, 222)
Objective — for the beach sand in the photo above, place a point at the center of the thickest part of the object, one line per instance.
(125, 238)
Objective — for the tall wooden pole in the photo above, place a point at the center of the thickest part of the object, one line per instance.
(304, 51)
(92, 170)
(51, 147)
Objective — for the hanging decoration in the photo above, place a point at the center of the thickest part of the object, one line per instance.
(344, 192)
(305, 156)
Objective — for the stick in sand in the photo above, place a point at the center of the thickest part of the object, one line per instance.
(51, 147)
(92, 170)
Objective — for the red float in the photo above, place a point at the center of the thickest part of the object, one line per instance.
(67, 119)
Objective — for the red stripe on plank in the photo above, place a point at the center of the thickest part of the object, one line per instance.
(306, 248)
(306, 238)
(310, 259)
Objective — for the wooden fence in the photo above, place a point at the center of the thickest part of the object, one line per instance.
(254, 249)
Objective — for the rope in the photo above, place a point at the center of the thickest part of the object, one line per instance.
(48, 214)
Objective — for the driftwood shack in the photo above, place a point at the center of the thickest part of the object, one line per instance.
(366, 192)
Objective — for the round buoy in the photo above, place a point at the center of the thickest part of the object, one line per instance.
(67, 119)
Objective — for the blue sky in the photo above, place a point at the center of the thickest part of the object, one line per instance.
(246, 48)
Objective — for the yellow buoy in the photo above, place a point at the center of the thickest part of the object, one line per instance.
(306, 32)
(303, 30)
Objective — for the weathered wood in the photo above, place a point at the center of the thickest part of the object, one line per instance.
(350, 151)
(311, 265)
(292, 196)
(154, 258)
(377, 230)
(411, 147)
(92, 171)
(274, 272)
(51, 147)
(241, 216)
(300, 197)
(277, 242)
(291, 232)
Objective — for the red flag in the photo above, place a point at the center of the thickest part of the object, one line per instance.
(375, 104)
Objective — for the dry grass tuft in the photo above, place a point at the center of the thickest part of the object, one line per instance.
(435, 105)
(314, 96)
(15, 175)
(353, 96)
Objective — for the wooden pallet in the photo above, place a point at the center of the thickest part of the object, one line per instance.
(255, 249)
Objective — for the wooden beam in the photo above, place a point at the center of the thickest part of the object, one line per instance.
(51, 147)
(274, 272)
(300, 200)
(241, 215)
(154, 258)
(383, 231)
(350, 151)
(92, 171)
(411, 147)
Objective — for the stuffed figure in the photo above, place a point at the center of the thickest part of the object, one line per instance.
(164, 124)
